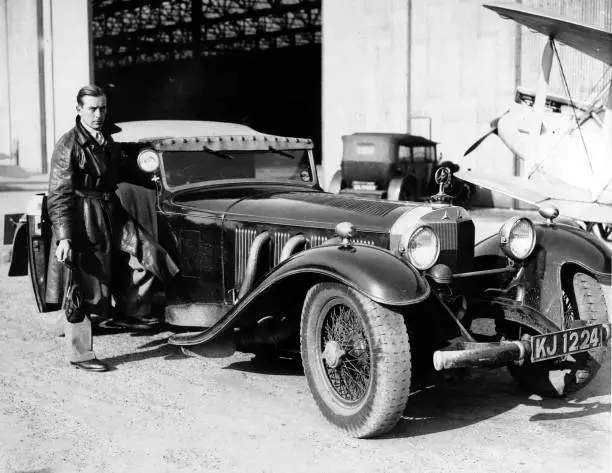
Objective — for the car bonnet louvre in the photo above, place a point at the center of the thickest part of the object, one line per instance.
(369, 207)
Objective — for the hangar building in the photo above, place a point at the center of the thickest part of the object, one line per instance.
(316, 68)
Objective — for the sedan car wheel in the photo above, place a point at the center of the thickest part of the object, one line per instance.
(356, 357)
(584, 301)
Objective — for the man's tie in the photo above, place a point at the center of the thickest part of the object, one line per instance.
(100, 138)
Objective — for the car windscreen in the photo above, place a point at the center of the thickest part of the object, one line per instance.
(183, 168)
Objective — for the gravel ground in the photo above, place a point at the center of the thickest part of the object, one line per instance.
(162, 411)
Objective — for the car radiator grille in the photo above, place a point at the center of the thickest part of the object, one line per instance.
(453, 236)
(246, 236)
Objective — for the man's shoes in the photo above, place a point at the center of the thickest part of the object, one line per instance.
(90, 365)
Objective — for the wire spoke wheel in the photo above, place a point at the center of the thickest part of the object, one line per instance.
(356, 358)
(345, 353)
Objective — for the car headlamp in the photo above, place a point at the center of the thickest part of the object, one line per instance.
(421, 247)
(148, 160)
(517, 238)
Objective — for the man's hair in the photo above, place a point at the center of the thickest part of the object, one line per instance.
(91, 90)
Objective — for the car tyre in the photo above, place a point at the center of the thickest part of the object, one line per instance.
(584, 300)
(356, 358)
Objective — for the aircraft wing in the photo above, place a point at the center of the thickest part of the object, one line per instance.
(571, 201)
(590, 40)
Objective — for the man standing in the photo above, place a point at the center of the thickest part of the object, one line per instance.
(88, 220)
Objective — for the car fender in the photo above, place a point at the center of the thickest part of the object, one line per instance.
(371, 270)
(557, 246)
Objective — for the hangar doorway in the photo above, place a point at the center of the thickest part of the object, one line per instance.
(256, 62)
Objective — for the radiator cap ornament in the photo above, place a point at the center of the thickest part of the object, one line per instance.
(443, 177)
(346, 231)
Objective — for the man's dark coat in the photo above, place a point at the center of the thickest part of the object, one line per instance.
(82, 206)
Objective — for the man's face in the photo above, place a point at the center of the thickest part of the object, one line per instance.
(93, 111)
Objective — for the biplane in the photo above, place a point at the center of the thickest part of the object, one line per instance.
(565, 145)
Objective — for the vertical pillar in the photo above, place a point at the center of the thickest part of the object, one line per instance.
(68, 51)
(5, 117)
(24, 82)
(365, 71)
(49, 104)
(46, 60)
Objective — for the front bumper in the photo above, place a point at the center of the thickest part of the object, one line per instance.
(473, 354)
(481, 354)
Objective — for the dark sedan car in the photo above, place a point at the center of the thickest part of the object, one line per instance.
(373, 295)
(391, 166)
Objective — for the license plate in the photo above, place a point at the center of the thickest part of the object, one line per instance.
(567, 342)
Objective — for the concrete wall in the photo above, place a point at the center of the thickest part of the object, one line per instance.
(463, 76)
(68, 50)
(365, 71)
(456, 68)
(5, 124)
(24, 82)
(467, 62)
(44, 60)
(583, 73)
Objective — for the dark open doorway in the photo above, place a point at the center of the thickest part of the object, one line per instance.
(256, 62)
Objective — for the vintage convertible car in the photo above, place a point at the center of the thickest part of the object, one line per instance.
(374, 295)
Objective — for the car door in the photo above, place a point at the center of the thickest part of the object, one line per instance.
(30, 252)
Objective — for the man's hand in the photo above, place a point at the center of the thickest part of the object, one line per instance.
(63, 248)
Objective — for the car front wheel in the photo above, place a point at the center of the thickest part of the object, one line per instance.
(356, 357)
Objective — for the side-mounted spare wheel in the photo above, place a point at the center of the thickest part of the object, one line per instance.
(583, 302)
(356, 357)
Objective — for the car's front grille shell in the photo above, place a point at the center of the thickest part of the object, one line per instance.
(454, 236)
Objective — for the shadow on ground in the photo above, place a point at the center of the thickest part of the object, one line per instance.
(455, 404)
(449, 404)
(277, 366)
(458, 402)
(159, 348)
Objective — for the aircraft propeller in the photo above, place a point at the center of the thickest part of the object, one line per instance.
(492, 131)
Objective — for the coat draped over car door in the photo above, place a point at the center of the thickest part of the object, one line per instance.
(82, 206)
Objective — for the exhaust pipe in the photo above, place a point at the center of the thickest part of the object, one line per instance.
(251, 267)
(292, 244)
(477, 355)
